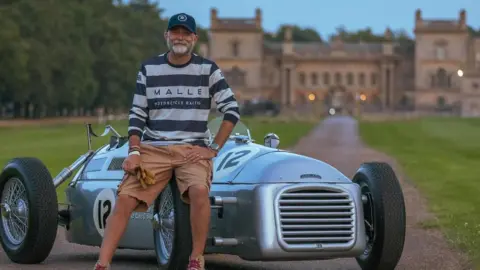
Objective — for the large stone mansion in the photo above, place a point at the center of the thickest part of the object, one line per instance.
(442, 72)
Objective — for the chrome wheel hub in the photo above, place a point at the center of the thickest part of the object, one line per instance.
(14, 211)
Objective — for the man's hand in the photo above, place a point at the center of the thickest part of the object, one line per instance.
(131, 163)
(198, 153)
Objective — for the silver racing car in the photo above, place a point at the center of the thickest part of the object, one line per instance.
(267, 204)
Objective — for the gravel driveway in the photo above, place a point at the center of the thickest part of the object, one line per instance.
(336, 141)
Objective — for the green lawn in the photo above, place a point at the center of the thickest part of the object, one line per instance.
(59, 145)
(442, 157)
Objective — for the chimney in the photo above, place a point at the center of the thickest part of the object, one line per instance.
(418, 18)
(387, 44)
(287, 46)
(463, 19)
(288, 34)
(258, 18)
(213, 17)
(388, 34)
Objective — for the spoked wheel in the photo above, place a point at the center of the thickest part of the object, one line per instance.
(368, 217)
(14, 209)
(384, 216)
(28, 204)
(172, 232)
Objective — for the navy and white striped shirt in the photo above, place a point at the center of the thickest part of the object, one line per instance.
(172, 103)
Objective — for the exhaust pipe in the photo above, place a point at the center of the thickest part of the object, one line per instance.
(218, 201)
(224, 242)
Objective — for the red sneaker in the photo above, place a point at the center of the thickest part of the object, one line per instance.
(98, 266)
(196, 264)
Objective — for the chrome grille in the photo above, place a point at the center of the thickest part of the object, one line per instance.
(315, 218)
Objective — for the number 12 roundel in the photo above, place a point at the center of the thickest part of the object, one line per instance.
(102, 209)
(232, 160)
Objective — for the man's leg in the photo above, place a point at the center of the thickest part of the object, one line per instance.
(194, 180)
(116, 225)
(199, 218)
(133, 197)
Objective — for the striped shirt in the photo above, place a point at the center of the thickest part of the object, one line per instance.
(172, 103)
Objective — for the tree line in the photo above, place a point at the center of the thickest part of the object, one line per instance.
(66, 58)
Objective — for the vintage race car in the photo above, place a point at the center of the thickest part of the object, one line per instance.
(267, 204)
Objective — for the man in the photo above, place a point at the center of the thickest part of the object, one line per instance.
(168, 131)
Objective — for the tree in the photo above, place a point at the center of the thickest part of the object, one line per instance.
(298, 34)
(69, 57)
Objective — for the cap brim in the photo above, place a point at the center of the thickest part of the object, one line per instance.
(182, 25)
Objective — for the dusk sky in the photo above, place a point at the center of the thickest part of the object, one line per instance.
(325, 16)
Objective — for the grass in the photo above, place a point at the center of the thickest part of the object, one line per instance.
(59, 145)
(442, 157)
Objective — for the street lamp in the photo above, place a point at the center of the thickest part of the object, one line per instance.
(358, 99)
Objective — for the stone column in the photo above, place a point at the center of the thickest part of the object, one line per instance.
(383, 84)
(284, 87)
(387, 84)
(288, 84)
(293, 84)
(392, 86)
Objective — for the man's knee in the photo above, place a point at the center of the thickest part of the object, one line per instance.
(198, 194)
(124, 206)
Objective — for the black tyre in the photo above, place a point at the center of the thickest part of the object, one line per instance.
(384, 214)
(173, 235)
(28, 224)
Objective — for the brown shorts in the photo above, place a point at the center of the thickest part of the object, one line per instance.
(162, 161)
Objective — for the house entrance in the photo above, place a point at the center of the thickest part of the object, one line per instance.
(339, 99)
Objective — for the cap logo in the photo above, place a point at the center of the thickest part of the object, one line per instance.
(182, 17)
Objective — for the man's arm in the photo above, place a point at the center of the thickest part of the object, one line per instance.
(139, 111)
(226, 103)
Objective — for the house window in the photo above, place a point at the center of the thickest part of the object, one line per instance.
(373, 79)
(441, 102)
(350, 78)
(442, 80)
(301, 78)
(314, 79)
(361, 79)
(326, 78)
(440, 53)
(338, 78)
(235, 48)
(235, 76)
(475, 85)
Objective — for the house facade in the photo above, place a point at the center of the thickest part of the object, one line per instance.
(442, 71)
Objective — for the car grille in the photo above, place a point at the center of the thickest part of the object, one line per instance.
(315, 218)
(116, 164)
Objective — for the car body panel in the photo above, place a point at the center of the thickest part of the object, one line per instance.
(253, 220)
(271, 187)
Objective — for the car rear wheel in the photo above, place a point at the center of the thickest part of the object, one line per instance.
(172, 232)
(29, 209)
(384, 216)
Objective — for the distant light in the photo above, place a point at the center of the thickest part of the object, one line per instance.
(331, 111)
(311, 97)
(460, 73)
(363, 97)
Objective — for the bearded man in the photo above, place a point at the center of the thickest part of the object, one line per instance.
(168, 133)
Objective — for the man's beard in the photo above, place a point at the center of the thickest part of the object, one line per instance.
(179, 49)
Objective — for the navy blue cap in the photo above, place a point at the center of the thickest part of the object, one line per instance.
(184, 20)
